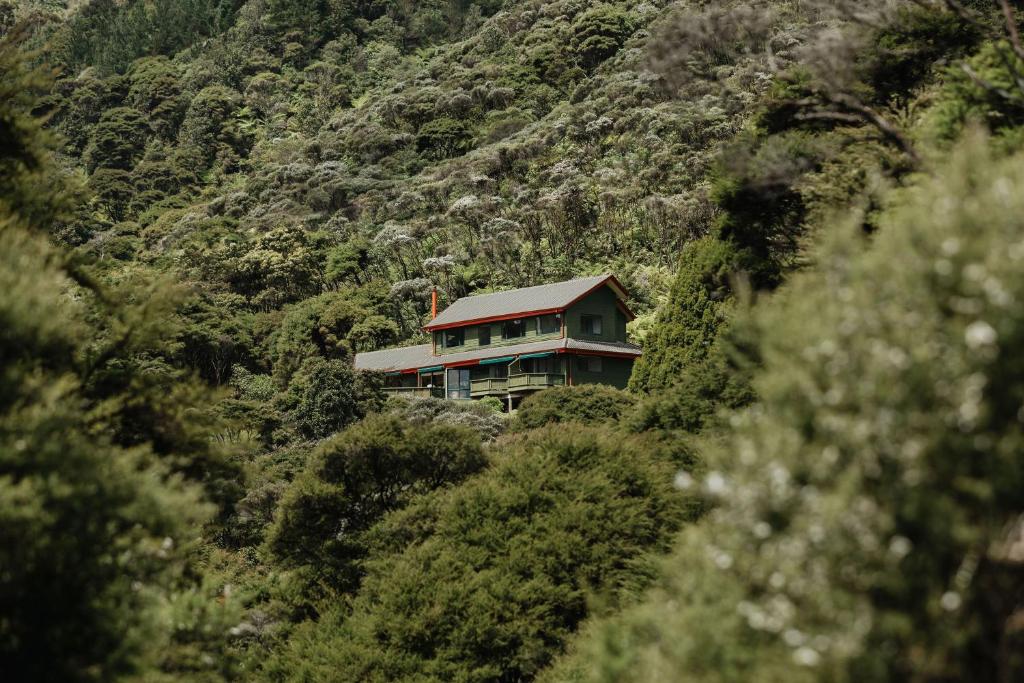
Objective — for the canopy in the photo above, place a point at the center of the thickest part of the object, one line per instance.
(432, 368)
(503, 359)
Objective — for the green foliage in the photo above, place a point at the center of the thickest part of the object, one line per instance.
(212, 126)
(443, 138)
(598, 33)
(351, 481)
(697, 309)
(588, 404)
(485, 581)
(326, 395)
(117, 140)
(715, 383)
(866, 508)
(100, 512)
(484, 417)
(981, 90)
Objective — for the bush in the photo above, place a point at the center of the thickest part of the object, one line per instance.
(351, 481)
(477, 415)
(485, 581)
(587, 404)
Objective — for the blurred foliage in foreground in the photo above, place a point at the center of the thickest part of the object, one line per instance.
(867, 520)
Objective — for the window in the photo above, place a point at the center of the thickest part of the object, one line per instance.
(483, 335)
(591, 324)
(513, 329)
(458, 383)
(550, 323)
(589, 363)
(456, 337)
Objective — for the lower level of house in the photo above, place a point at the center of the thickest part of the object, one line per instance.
(509, 374)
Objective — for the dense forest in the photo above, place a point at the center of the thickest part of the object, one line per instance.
(208, 206)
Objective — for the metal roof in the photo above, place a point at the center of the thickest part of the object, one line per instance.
(403, 358)
(415, 357)
(550, 297)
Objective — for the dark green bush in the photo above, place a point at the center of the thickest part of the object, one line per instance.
(587, 404)
(485, 581)
(350, 482)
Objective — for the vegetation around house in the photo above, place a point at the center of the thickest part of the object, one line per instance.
(207, 208)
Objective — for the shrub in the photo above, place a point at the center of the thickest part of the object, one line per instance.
(485, 581)
(587, 403)
(351, 481)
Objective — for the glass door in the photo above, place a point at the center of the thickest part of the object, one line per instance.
(458, 383)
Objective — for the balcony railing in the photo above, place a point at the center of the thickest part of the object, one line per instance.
(490, 386)
(535, 380)
(415, 392)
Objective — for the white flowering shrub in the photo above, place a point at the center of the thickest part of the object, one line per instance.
(868, 521)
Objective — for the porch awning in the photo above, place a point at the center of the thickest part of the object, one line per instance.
(503, 359)
(432, 368)
(536, 355)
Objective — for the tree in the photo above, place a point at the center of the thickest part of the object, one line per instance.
(443, 137)
(598, 33)
(117, 140)
(324, 397)
(352, 480)
(96, 531)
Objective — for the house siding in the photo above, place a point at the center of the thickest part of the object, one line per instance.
(603, 303)
(614, 372)
(472, 338)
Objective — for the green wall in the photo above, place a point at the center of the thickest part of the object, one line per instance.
(473, 342)
(614, 372)
(602, 303)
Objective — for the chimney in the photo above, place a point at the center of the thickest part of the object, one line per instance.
(433, 303)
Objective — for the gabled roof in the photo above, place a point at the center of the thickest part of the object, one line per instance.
(412, 358)
(520, 302)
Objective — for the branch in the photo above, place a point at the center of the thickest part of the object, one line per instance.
(982, 83)
(1011, 29)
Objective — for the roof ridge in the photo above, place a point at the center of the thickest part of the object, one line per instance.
(546, 284)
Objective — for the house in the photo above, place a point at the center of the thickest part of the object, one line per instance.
(511, 343)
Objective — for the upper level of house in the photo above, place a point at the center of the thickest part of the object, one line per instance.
(589, 309)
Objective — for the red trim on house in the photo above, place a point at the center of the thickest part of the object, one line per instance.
(407, 372)
(609, 354)
(462, 363)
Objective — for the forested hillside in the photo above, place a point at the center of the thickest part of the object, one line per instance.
(207, 207)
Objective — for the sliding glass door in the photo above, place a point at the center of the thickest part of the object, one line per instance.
(458, 383)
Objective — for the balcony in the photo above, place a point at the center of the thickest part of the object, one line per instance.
(415, 392)
(535, 380)
(491, 386)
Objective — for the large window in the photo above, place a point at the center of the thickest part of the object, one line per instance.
(591, 324)
(513, 329)
(483, 335)
(456, 337)
(550, 323)
(589, 363)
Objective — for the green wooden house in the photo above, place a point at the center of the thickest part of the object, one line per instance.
(511, 343)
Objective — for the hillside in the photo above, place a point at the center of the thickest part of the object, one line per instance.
(208, 207)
